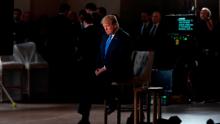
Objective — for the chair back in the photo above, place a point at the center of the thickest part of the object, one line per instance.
(142, 67)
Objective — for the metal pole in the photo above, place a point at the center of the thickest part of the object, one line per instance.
(3, 88)
(195, 5)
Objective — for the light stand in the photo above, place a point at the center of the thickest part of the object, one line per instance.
(194, 7)
(2, 87)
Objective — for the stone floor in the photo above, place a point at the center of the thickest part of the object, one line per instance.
(26, 113)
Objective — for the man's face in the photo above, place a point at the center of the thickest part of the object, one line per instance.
(204, 15)
(109, 27)
(156, 17)
(145, 17)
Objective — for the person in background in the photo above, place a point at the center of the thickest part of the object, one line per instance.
(18, 32)
(206, 60)
(102, 11)
(157, 41)
(142, 30)
(88, 48)
(91, 8)
(28, 26)
(204, 29)
(60, 52)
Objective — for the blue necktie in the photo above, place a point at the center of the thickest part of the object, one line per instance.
(108, 43)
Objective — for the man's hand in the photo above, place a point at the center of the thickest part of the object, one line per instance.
(98, 71)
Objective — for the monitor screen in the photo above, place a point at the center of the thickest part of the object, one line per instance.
(181, 29)
(185, 24)
(180, 23)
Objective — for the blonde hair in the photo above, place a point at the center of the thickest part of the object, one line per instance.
(112, 19)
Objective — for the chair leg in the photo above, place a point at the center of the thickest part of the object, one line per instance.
(148, 107)
(154, 108)
(118, 113)
(139, 108)
(159, 105)
(135, 108)
(105, 113)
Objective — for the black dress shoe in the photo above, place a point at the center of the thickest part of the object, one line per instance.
(84, 122)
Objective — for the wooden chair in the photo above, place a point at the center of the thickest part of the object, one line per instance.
(141, 84)
(142, 66)
(142, 87)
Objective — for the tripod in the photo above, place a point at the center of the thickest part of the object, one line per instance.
(2, 87)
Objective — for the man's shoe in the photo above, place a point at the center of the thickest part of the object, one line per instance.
(84, 122)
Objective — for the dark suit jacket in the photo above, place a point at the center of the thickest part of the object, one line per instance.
(160, 44)
(158, 41)
(117, 59)
(141, 39)
(89, 42)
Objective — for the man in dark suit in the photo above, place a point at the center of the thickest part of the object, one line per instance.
(88, 48)
(60, 54)
(114, 62)
(142, 30)
(157, 41)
